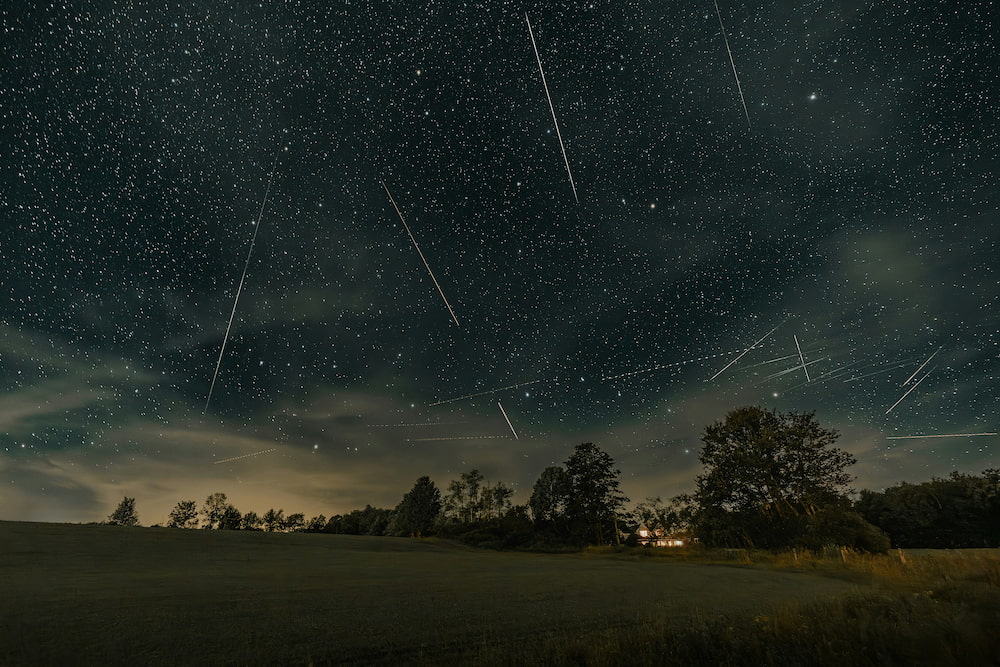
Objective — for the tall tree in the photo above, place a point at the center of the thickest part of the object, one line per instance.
(763, 472)
(471, 499)
(417, 511)
(464, 503)
(184, 515)
(594, 500)
(124, 514)
(550, 495)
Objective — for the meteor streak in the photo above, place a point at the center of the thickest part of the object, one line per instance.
(246, 267)
(908, 391)
(407, 227)
(801, 358)
(921, 367)
(508, 420)
(947, 435)
(899, 364)
(793, 369)
(483, 393)
(417, 424)
(555, 122)
(733, 63)
(662, 366)
(246, 456)
(462, 437)
(744, 352)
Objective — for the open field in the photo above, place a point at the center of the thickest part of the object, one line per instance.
(107, 595)
(110, 595)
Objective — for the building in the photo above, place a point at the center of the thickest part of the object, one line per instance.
(659, 538)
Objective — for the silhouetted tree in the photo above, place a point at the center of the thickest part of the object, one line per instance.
(274, 521)
(124, 514)
(463, 503)
(764, 473)
(295, 521)
(316, 524)
(471, 499)
(550, 496)
(417, 511)
(250, 521)
(594, 499)
(214, 510)
(184, 515)
(369, 521)
(231, 519)
(958, 511)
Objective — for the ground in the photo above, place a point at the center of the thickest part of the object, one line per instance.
(111, 595)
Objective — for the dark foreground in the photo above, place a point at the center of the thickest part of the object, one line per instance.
(107, 595)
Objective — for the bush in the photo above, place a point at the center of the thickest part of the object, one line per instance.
(842, 528)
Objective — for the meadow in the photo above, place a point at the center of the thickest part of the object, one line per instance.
(109, 595)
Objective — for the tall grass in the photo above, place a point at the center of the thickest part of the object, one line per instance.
(923, 609)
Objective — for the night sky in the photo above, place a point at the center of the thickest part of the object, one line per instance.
(857, 212)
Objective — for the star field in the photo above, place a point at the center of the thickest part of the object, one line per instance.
(857, 214)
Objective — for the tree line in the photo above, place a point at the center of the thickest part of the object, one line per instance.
(769, 480)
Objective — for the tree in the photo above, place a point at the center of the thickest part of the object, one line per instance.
(250, 521)
(419, 508)
(214, 510)
(594, 499)
(316, 524)
(231, 519)
(472, 499)
(295, 522)
(764, 473)
(496, 501)
(124, 514)
(274, 521)
(958, 511)
(549, 496)
(184, 515)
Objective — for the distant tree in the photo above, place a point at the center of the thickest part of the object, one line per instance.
(369, 521)
(764, 473)
(231, 518)
(295, 522)
(594, 500)
(184, 515)
(463, 503)
(124, 514)
(955, 512)
(274, 521)
(214, 510)
(496, 501)
(316, 524)
(419, 508)
(250, 521)
(550, 495)
(471, 499)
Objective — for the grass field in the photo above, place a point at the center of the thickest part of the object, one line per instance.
(109, 595)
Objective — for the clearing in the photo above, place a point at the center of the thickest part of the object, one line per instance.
(80, 594)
